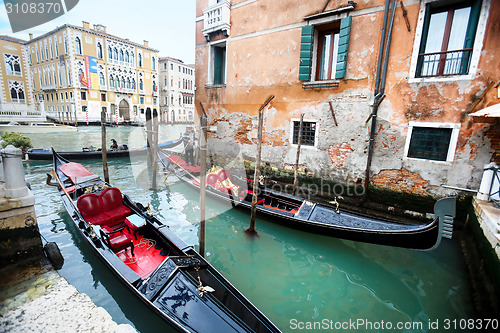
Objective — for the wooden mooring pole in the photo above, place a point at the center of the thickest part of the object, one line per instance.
(203, 178)
(155, 148)
(256, 176)
(104, 149)
(299, 143)
(149, 138)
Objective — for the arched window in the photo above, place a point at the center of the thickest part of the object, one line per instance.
(111, 81)
(102, 81)
(141, 85)
(139, 59)
(122, 82)
(78, 45)
(13, 94)
(153, 63)
(121, 55)
(126, 57)
(99, 50)
(20, 94)
(132, 60)
(154, 85)
(81, 76)
(110, 53)
(128, 83)
(115, 53)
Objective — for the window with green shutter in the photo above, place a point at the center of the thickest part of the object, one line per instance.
(330, 43)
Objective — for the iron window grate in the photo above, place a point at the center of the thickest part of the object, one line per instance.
(430, 143)
(308, 133)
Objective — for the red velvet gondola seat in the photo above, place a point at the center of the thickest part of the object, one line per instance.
(112, 202)
(90, 207)
(223, 175)
(105, 209)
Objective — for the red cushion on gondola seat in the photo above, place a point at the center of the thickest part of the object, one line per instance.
(223, 175)
(131, 225)
(120, 240)
(111, 198)
(111, 228)
(212, 179)
(90, 206)
(112, 202)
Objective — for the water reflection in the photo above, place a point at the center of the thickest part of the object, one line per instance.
(288, 274)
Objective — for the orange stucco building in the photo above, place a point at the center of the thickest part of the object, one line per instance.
(403, 75)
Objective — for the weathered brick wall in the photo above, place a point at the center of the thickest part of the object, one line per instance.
(401, 181)
(493, 134)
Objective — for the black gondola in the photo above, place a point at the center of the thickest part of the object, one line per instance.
(306, 215)
(163, 271)
(43, 154)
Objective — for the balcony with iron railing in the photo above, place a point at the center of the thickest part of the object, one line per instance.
(217, 18)
(444, 63)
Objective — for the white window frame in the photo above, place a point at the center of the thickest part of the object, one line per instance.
(315, 134)
(476, 52)
(453, 139)
(78, 45)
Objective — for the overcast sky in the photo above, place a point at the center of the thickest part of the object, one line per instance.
(168, 25)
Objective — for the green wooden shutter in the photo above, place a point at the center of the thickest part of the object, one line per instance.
(218, 54)
(471, 34)
(345, 32)
(306, 51)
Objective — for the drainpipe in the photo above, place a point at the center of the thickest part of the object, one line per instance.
(380, 81)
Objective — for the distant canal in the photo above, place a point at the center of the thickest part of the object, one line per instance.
(299, 280)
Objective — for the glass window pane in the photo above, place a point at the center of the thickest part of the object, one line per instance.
(459, 29)
(430, 143)
(436, 32)
(335, 54)
(324, 57)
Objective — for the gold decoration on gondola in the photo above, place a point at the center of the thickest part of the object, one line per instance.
(336, 203)
(201, 288)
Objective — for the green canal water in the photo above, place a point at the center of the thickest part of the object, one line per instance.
(299, 280)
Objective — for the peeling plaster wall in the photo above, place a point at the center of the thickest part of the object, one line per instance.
(263, 52)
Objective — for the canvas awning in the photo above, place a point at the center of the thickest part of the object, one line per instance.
(486, 115)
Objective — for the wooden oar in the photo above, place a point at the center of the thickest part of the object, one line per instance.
(175, 164)
(54, 174)
(190, 174)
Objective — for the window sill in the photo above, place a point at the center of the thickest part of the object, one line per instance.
(320, 84)
(211, 86)
(436, 162)
(434, 79)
